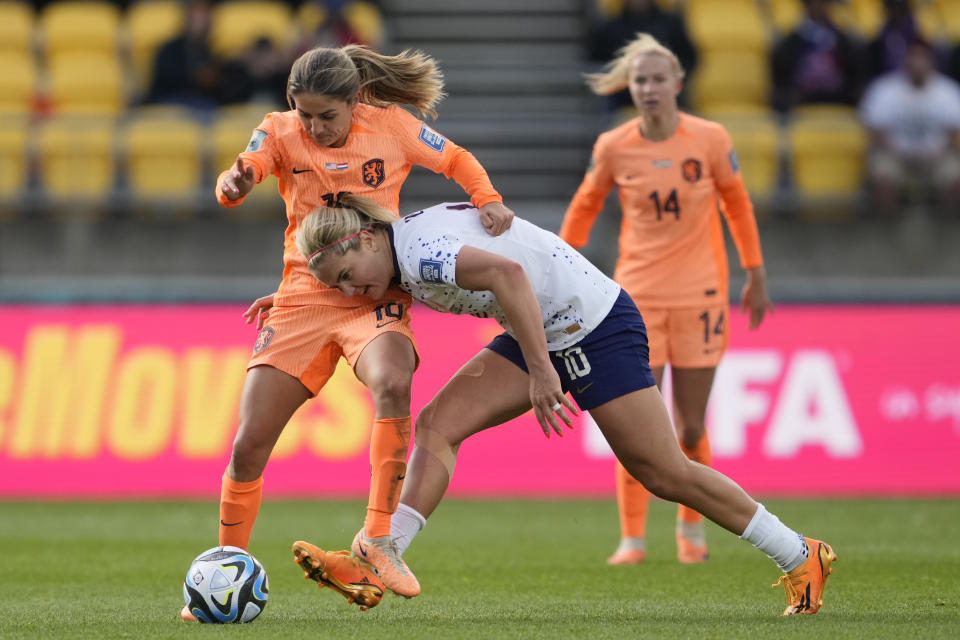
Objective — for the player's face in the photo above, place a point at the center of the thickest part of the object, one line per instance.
(326, 119)
(366, 271)
(654, 84)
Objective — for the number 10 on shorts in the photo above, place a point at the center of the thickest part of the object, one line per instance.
(575, 360)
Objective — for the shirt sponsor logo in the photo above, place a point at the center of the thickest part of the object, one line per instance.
(663, 164)
(336, 166)
(734, 162)
(431, 138)
(373, 172)
(256, 140)
(431, 271)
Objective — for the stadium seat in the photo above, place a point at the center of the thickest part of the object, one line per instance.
(727, 26)
(14, 158)
(365, 20)
(86, 83)
(16, 26)
(827, 153)
(237, 24)
(77, 158)
(739, 78)
(950, 12)
(150, 24)
(785, 15)
(229, 135)
(17, 82)
(756, 138)
(84, 25)
(866, 17)
(163, 153)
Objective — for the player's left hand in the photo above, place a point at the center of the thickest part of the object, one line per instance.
(754, 299)
(259, 311)
(548, 400)
(495, 218)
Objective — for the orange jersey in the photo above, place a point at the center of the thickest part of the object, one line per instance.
(382, 146)
(671, 251)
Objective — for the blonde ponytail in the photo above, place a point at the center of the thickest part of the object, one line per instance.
(616, 74)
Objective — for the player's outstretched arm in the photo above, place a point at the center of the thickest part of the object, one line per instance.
(484, 271)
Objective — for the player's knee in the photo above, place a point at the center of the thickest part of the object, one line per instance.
(390, 387)
(248, 459)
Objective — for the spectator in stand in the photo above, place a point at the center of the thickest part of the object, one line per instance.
(646, 16)
(816, 63)
(888, 51)
(914, 117)
(185, 70)
(259, 74)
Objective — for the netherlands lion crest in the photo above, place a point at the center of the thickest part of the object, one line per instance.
(373, 173)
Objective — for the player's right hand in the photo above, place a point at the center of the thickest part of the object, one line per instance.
(238, 181)
(259, 311)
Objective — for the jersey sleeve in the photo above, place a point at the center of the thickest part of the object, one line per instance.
(588, 200)
(737, 207)
(262, 153)
(426, 148)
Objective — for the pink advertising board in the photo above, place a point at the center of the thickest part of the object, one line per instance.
(141, 401)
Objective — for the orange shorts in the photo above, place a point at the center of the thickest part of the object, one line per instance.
(307, 341)
(688, 338)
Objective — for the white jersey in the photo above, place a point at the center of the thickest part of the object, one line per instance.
(574, 295)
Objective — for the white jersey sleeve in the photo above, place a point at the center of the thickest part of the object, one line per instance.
(574, 295)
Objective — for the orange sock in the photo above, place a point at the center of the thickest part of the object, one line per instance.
(239, 505)
(389, 443)
(632, 502)
(700, 453)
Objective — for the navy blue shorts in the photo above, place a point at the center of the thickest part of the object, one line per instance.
(612, 361)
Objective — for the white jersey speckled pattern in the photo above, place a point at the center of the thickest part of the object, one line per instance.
(574, 295)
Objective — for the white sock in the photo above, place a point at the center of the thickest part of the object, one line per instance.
(405, 524)
(785, 546)
(632, 544)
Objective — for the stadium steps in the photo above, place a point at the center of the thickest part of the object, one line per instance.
(516, 96)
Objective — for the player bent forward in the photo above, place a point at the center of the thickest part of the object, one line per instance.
(568, 328)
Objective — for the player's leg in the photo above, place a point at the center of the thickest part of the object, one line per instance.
(633, 503)
(270, 397)
(379, 343)
(487, 391)
(691, 391)
(633, 500)
(639, 431)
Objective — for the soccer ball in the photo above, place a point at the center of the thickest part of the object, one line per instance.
(225, 584)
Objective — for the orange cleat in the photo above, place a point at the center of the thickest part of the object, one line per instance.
(689, 552)
(382, 554)
(804, 585)
(186, 616)
(627, 556)
(357, 583)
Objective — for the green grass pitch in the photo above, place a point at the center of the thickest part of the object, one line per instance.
(489, 569)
